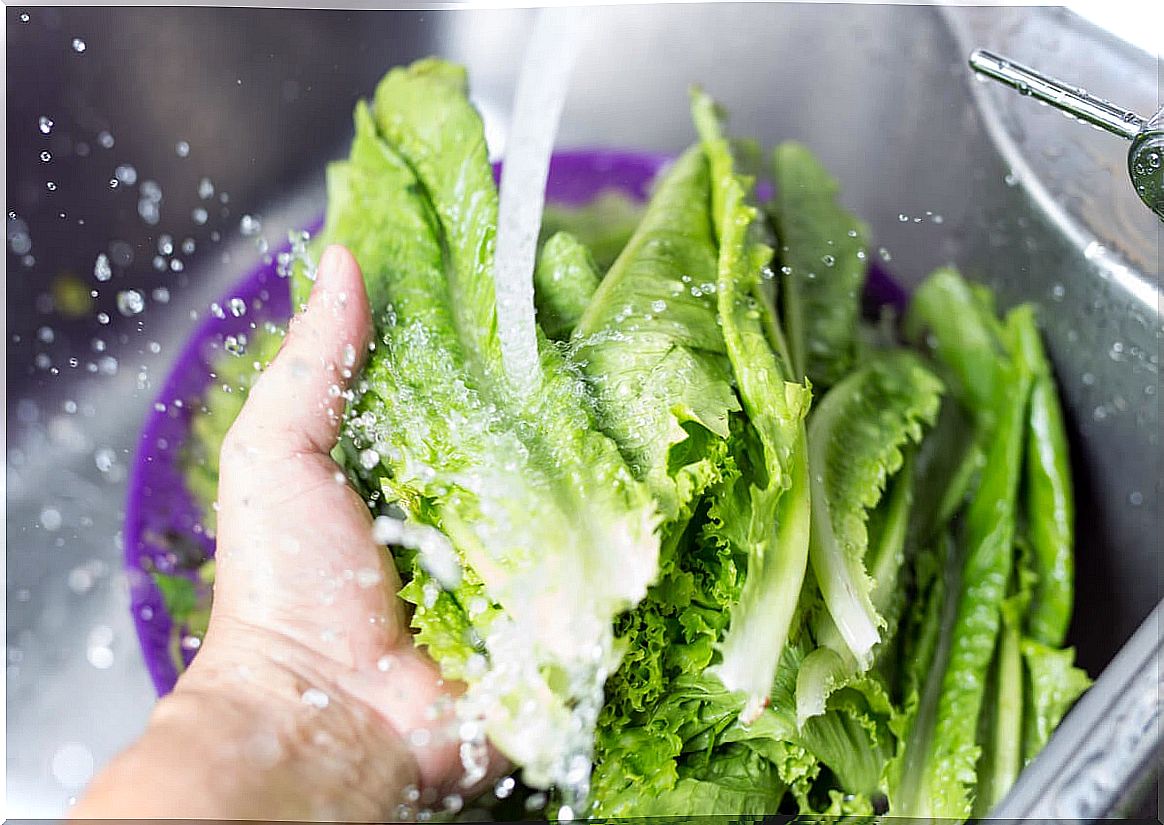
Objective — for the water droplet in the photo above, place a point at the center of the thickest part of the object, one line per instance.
(105, 458)
(78, 45)
(176, 265)
(369, 459)
(51, 186)
(199, 216)
(658, 306)
(72, 765)
(24, 18)
(106, 140)
(901, 216)
(884, 253)
(1135, 498)
(102, 271)
(504, 787)
(1058, 291)
(50, 518)
(315, 697)
(235, 344)
(45, 335)
(126, 174)
(249, 225)
(148, 211)
(188, 246)
(238, 307)
(130, 302)
(103, 317)
(183, 149)
(828, 260)
(206, 189)
(46, 156)
(1011, 179)
(46, 124)
(161, 295)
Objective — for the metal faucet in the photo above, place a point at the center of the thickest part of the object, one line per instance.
(1146, 155)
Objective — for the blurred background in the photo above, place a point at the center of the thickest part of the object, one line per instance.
(155, 155)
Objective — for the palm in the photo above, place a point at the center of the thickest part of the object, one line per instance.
(297, 565)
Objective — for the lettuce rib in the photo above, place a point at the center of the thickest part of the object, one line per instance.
(775, 522)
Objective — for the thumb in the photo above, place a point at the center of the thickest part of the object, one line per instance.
(296, 404)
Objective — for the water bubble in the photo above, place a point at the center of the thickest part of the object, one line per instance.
(161, 295)
(206, 189)
(46, 124)
(106, 140)
(182, 148)
(130, 302)
(315, 697)
(78, 45)
(50, 518)
(102, 271)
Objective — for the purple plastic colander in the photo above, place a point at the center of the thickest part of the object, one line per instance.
(162, 520)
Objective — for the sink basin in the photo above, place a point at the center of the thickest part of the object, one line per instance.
(251, 103)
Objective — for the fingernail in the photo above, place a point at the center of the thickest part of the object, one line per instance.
(330, 260)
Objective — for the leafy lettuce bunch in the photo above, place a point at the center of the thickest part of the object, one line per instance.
(743, 551)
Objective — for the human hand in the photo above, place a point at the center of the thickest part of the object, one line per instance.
(307, 671)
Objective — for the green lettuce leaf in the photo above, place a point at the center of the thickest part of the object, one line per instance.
(604, 225)
(1049, 503)
(503, 477)
(765, 514)
(855, 441)
(565, 279)
(1054, 685)
(823, 261)
(650, 345)
(989, 539)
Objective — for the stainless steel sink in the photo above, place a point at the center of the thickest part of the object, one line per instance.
(943, 168)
